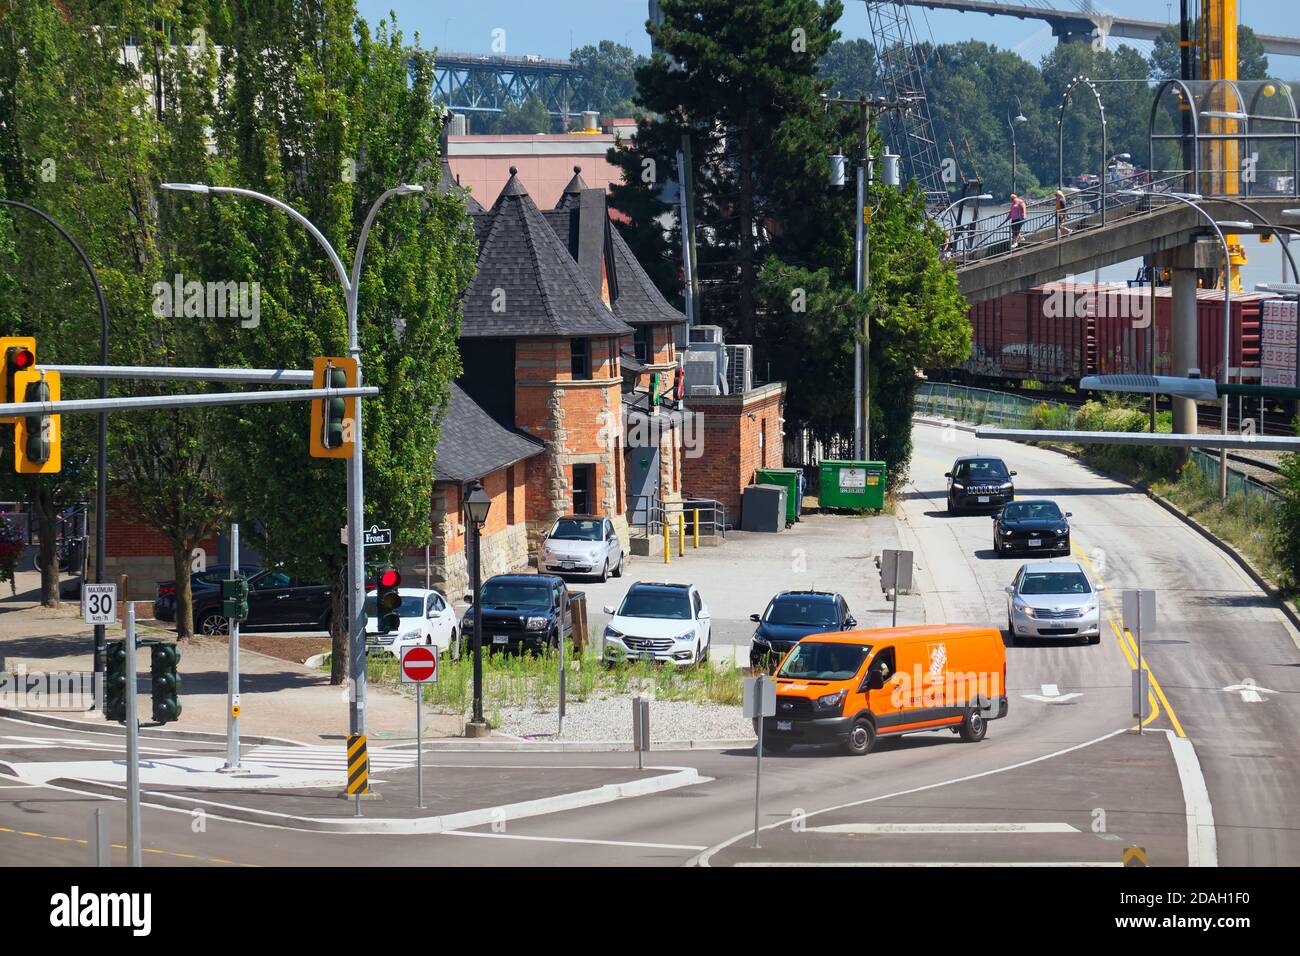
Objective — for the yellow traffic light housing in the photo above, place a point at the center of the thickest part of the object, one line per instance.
(18, 353)
(332, 429)
(38, 438)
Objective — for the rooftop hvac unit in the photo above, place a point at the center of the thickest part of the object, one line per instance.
(706, 333)
(740, 368)
(702, 376)
(718, 352)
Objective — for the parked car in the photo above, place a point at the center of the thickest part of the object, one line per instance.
(164, 603)
(426, 618)
(792, 615)
(852, 688)
(1053, 599)
(521, 612)
(978, 482)
(1031, 526)
(582, 544)
(274, 600)
(659, 622)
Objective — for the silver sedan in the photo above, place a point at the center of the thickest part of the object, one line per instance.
(1053, 599)
(582, 544)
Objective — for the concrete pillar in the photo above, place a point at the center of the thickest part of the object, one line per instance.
(1183, 344)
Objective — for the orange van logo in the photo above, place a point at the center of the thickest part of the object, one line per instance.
(938, 658)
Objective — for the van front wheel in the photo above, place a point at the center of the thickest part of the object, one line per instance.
(974, 726)
(861, 738)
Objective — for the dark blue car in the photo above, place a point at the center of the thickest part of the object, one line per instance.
(164, 604)
(792, 615)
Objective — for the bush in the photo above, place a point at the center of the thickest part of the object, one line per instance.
(1286, 532)
(1135, 461)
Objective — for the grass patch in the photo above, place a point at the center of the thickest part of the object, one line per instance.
(527, 680)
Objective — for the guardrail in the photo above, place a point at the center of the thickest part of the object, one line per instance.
(651, 511)
(982, 406)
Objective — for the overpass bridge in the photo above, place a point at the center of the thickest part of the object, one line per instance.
(1080, 20)
(481, 83)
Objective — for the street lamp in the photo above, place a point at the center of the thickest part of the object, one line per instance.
(356, 490)
(477, 506)
(1190, 199)
(101, 467)
(1011, 124)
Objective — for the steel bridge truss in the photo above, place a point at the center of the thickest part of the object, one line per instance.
(469, 83)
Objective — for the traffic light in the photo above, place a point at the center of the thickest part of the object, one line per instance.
(654, 389)
(389, 601)
(166, 682)
(332, 418)
(19, 353)
(115, 681)
(234, 599)
(38, 444)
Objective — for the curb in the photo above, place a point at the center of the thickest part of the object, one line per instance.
(507, 745)
(678, 777)
(67, 723)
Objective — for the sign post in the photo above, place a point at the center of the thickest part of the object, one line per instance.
(134, 852)
(895, 573)
(419, 667)
(1139, 615)
(560, 727)
(640, 729)
(758, 700)
(232, 681)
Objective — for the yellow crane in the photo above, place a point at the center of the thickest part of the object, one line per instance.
(1218, 41)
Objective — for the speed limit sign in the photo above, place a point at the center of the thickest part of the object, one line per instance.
(99, 603)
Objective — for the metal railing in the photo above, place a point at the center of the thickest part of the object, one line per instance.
(1238, 484)
(647, 514)
(982, 406)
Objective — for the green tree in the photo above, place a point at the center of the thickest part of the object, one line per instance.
(850, 66)
(611, 71)
(1166, 56)
(530, 116)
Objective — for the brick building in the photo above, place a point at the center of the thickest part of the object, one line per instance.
(742, 432)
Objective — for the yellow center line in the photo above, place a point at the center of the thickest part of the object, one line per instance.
(1156, 695)
(120, 846)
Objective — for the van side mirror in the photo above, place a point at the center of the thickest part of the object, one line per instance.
(875, 680)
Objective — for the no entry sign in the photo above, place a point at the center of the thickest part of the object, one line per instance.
(420, 664)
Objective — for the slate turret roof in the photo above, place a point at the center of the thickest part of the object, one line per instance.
(472, 444)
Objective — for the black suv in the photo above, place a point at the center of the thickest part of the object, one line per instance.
(274, 600)
(1034, 526)
(521, 612)
(792, 615)
(977, 482)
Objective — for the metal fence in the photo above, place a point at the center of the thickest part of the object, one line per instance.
(982, 406)
(1238, 483)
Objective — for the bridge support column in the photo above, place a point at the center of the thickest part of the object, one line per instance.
(1183, 331)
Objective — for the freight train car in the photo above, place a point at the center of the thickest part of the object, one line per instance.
(1061, 331)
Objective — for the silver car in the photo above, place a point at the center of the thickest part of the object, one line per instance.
(582, 544)
(1053, 599)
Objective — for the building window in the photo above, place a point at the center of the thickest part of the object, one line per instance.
(510, 496)
(643, 342)
(584, 489)
(580, 358)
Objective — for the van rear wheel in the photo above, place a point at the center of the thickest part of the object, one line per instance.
(861, 738)
(973, 726)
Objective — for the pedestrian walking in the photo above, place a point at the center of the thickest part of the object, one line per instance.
(1061, 228)
(1018, 212)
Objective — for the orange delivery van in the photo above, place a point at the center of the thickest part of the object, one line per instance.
(851, 687)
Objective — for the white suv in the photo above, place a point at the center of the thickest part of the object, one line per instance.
(659, 622)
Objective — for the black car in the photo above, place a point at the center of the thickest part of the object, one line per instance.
(164, 603)
(792, 615)
(1032, 526)
(521, 612)
(274, 600)
(980, 483)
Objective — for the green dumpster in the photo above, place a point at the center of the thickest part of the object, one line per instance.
(851, 484)
(789, 479)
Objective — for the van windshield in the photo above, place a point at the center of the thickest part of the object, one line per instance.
(812, 660)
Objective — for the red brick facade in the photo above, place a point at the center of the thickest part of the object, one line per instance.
(737, 435)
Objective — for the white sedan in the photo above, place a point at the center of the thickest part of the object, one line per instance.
(659, 622)
(426, 618)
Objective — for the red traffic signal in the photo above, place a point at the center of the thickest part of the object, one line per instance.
(389, 578)
(20, 359)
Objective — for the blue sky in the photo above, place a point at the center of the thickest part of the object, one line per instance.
(553, 27)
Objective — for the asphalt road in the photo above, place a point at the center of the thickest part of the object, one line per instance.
(1064, 782)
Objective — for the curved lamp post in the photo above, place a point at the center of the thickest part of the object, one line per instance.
(478, 504)
(356, 492)
(101, 465)
(1011, 125)
(1060, 137)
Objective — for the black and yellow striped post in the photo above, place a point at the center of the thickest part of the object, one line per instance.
(358, 768)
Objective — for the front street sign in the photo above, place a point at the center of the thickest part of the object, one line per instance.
(377, 537)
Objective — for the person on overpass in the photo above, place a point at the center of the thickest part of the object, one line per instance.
(1017, 215)
(1061, 228)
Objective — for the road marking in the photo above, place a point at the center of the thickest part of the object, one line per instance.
(1250, 691)
(913, 863)
(119, 846)
(1052, 695)
(1202, 841)
(542, 839)
(887, 828)
(320, 757)
(70, 743)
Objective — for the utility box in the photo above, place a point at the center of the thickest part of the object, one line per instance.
(763, 508)
(856, 485)
(792, 480)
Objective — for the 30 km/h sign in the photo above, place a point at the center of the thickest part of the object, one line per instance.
(100, 603)
(420, 664)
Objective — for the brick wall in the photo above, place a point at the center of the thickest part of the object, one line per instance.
(737, 434)
(137, 549)
(505, 542)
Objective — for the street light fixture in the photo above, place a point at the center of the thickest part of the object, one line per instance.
(351, 283)
(477, 506)
(1011, 124)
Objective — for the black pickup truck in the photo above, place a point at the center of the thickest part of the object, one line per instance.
(521, 612)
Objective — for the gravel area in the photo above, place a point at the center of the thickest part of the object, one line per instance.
(610, 718)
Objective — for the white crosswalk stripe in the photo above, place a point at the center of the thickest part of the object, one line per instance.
(323, 758)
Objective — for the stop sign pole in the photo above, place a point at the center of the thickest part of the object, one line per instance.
(419, 667)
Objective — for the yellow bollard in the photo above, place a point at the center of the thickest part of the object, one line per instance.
(681, 535)
(667, 541)
(696, 541)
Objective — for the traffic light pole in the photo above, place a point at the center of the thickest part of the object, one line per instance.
(232, 685)
(134, 852)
